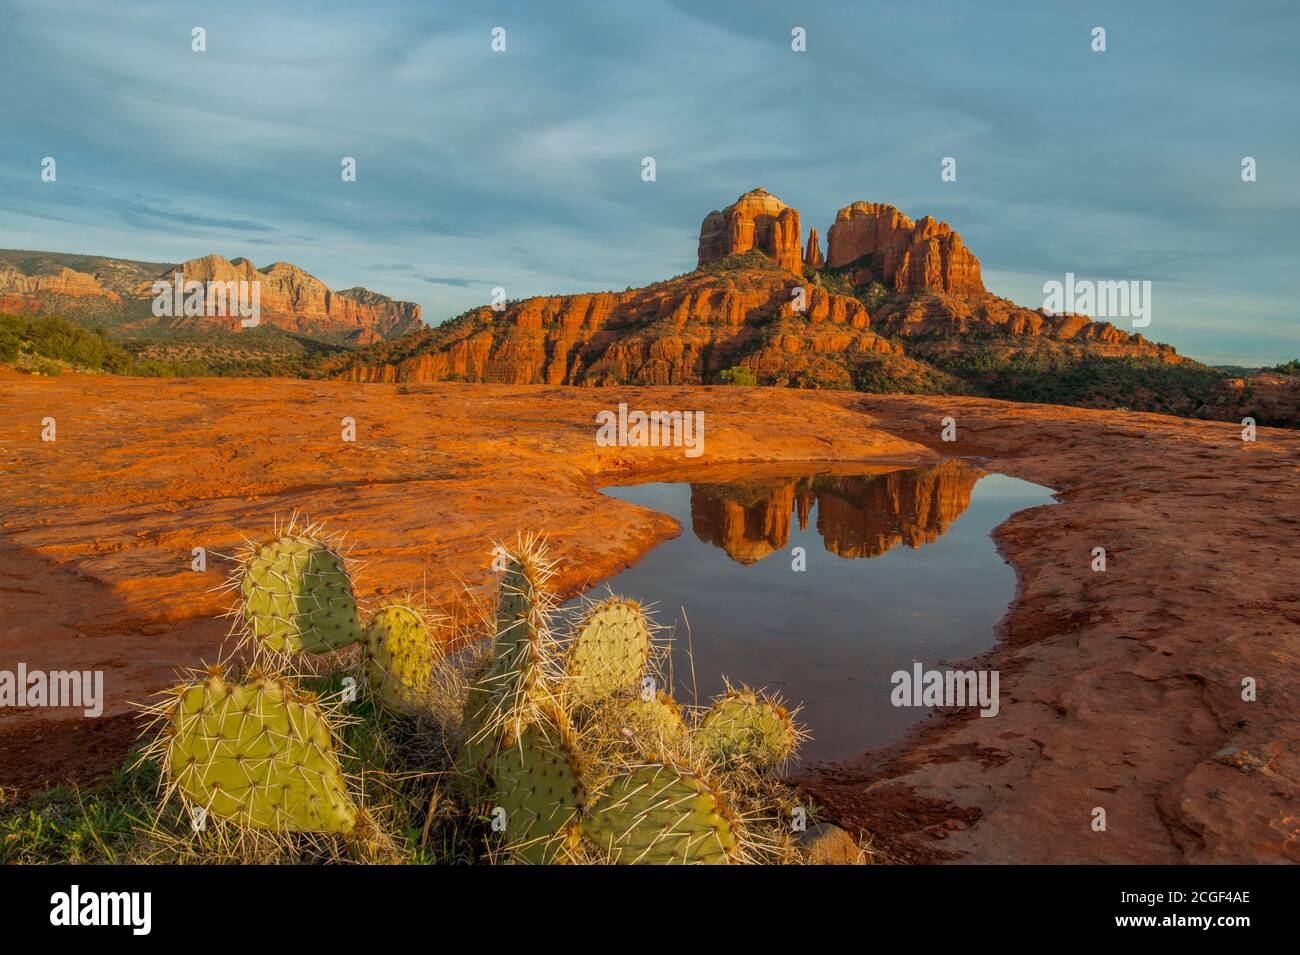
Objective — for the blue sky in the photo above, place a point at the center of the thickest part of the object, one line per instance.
(523, 169)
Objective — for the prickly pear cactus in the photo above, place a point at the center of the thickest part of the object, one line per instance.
(538, 783)
(259, 754)
(400, 653)
(514, 680)
(743, 728)
(653, 722)
(659, 814)
(609, 652)
(296, 596)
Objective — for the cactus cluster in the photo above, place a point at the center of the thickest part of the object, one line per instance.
(743, 728)
(296, 597)
(583, 720)
(566, 745)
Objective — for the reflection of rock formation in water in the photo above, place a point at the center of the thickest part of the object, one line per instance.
(857, 516)
(747, 519)
(866, 516)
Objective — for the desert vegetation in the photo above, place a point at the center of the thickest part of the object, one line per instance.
(399, 736)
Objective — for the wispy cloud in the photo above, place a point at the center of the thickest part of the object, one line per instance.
(522, 169)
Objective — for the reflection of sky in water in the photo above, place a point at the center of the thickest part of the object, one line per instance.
(831, 636)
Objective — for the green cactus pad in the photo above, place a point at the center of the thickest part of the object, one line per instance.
(657, 720)
(538, 781)
(658, 814)
(259, 754)
(610, 651)
(512, 682)
(400, 653)
(742, 728)
(297, 596)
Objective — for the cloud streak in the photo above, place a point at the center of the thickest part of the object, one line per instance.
(522, 169)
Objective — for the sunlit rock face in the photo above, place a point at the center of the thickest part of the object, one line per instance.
(757, 220)
(888, 247)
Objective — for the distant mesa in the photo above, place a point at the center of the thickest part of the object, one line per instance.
(857, 516)
(118, 294)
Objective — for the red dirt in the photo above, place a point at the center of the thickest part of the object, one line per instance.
(1119, 689)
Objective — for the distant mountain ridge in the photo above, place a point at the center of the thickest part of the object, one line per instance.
(118, 294)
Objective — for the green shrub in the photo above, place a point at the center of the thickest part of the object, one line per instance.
(737, 375)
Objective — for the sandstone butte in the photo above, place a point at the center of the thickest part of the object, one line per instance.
(757, 220)
(739, 307)
(877, 241)
(290, 298)
(1120, 689)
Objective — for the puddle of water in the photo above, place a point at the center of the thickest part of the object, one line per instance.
(900, 568)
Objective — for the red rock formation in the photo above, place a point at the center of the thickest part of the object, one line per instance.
(293, 299)
(904, 256)
(868, 516)
(687, 330)
(1272, 399)
(121, 292)
(813, 259)
(982, 313)
(15, 284)
(748, 521)
(682, 331)
(757, 220)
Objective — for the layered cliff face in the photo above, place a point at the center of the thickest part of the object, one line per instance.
(947, 318)
(757, 301)
(118, 294)
(757, 220)
(292, 299)
(14, 284)
(857, 516)
(684, 331)
(876, 242)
